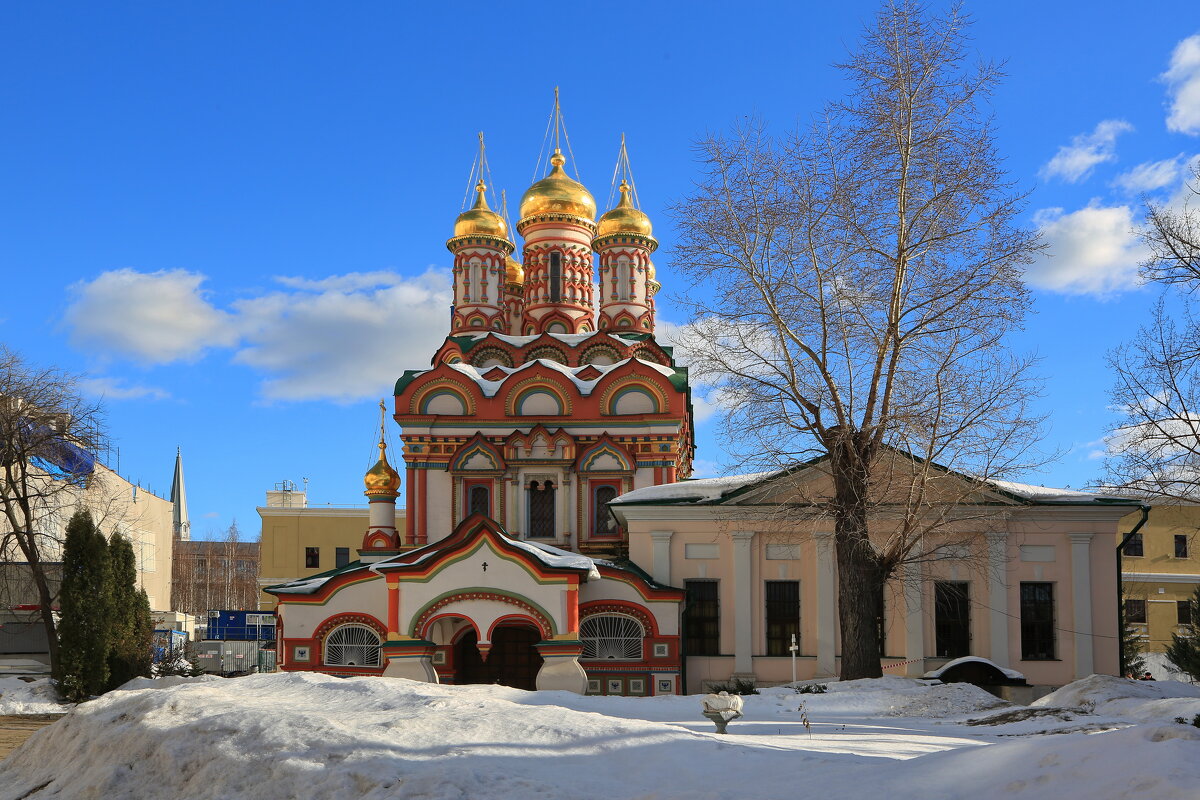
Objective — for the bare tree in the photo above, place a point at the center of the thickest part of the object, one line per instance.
(49, 438)
(856, 282)
(1155, 445)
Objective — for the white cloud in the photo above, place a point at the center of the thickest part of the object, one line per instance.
(1151, 176)
(117, 389)
(342, 338)
(155, 317)
(346, 337)
(1075, 161)
(1183, 87)
(1090, 251)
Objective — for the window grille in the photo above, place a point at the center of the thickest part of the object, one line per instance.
(480, 501)
(611, 637)
(352, 646)
(702, 619)
(783, 616)
(1037, 622)
(952, 619)
(1135, 547)
(555, 277)
(541, 509)
(1135, 610)
(602, 516)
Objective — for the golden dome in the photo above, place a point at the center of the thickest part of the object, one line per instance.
(381, 477)
(480, 220)
(624, 218)
(558, 193)
(651, 272)
(513, 271)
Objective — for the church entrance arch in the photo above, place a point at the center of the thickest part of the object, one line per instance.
(512, 659)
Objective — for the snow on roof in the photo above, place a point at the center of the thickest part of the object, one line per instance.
(711, 489)
(550, 556)
(698, 491)
(490, 388)
(1049, 494)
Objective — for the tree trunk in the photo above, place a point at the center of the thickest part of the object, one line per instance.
(860, 581)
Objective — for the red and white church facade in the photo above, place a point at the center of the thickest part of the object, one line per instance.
(549, 398)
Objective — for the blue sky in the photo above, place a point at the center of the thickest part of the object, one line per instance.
(231, 216)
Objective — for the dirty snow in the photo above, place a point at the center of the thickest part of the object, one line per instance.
(1139, 701)
(309, 735)
(18, 696)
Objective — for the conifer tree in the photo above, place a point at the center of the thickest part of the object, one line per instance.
(1184, 650)
(131, 628)
(83, 630)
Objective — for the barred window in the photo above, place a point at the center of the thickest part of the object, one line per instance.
(783, 616)
(1135, 546)
(352, 646)
(1037, 622)
(613, 637)
(702, 619)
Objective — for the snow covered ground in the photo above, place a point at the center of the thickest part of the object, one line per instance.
(308, 735)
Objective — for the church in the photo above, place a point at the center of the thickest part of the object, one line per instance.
(550, 537)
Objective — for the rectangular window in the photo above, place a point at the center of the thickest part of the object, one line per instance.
(783, 616)
(702, 619)
(1183, 612)
(341, 556)
(540, 503)
(1181, 545)
(478, 498)
(881, 624)
(555, 277)
(1135, 611)
(312, 558)
(952, 618)
(604, 524)
(1135, 547)
(1037, 622)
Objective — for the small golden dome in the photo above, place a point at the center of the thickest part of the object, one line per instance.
(558, 193)
(624, 218)
(381, 477)
(513, 271)
(480, 220)
(651, 272)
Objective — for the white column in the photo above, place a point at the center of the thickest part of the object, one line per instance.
(743, 603)
(1081, 600)
(997, 566)
(660, 567)
(914, 622)
(826, 606)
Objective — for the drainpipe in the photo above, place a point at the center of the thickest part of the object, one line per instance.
(1120, 590)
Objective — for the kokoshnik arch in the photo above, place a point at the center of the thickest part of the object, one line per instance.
(549, 398)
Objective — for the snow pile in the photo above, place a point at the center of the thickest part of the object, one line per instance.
(310, 735)
(18, 696)
(165, 682)
(1138, 701)
(940, 671)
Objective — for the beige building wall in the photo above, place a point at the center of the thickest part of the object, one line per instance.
(1160, 577)
(1066, 546)
(290, 527)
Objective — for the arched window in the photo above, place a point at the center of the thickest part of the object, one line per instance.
(611, 637)
(352, 646)
(603, 521)
(555, 277)
(623, 279)
(540, 495)
(479, 500)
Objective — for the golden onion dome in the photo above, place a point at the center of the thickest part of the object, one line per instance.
(480, 220)
(624, 218)
(513, 271)
(381, 477)
(651, 272)
(558, 193)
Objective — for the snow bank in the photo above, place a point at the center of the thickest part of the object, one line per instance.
(165, 682)
(1138, 701)
(309, 735)
(18, 696)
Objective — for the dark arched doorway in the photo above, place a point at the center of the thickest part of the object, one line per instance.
(512, 661)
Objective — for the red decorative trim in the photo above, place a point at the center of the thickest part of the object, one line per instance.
(510, 618)
(643, 616)
(421, 626)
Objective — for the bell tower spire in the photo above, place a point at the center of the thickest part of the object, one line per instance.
(181, 528)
